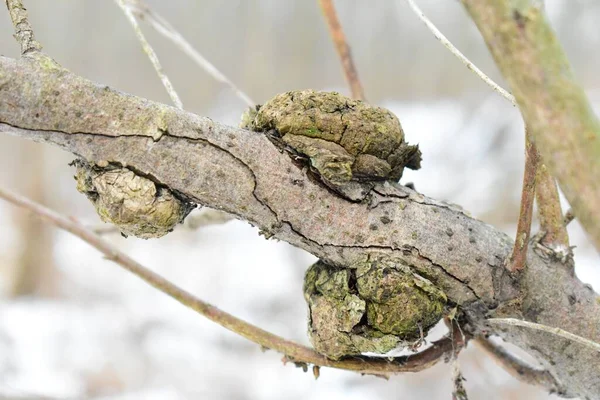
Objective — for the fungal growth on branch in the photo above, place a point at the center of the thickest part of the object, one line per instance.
(373, 307)
(345, 140)
(133, 203)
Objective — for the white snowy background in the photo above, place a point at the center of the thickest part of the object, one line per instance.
(85, 329)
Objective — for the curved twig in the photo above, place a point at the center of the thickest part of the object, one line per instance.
(292, 351)
(517, 367)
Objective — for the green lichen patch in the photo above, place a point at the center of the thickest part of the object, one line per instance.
(370, 138)
(374, 307)
(135, 204)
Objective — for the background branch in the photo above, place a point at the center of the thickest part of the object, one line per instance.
(555, 109)
(342, 48)
(163, 27)
(150, 53)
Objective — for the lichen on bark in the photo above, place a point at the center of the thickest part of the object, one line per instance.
(344, 139)
(374, 307)
(135, 204)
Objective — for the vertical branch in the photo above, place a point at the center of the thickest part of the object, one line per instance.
(23, 32)
(551, 218)
(547, 194)
(554, 107)
(519, 255)
(343, 50)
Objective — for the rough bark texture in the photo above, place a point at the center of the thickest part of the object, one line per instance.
(243, 173)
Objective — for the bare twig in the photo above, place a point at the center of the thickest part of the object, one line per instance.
(517, 259)
(343, 49)
(292, 351)
(23, 32)
(163, 27)
(440, 36)
(517, 367)
(150, 53)
(554, 331)
(548, 202)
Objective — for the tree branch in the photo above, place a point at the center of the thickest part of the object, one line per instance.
(243, 173)
(554, 107)
(123, 4)
(23, 31)
(517, 367)
(291, 350)
(343, 49)
(163, 27)
(519, 254)
(551, 217)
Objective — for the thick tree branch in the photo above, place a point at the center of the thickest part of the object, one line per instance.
(243, 173)
(554, 107)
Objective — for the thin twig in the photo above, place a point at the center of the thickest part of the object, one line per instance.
(439, 36)
(23, 31)
(518, 257)
(517, 367)
(343, 49)
(163, 27)
(292, 351)
(150, 53)
(554, 331)
(549, 210)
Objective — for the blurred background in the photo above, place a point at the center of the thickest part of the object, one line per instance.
(75, 326)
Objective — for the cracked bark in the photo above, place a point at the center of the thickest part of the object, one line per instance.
(242, 173)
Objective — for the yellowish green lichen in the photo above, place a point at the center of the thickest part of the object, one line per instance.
(375, 306)
(344, 139)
